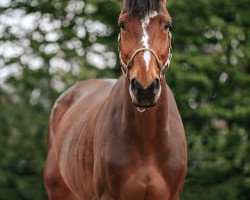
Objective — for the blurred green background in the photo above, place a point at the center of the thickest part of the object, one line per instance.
(48, 45)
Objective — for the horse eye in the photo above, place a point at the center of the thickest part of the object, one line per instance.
(122, 25)
(167, 26)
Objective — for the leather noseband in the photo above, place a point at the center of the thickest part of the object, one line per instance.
(163, 67)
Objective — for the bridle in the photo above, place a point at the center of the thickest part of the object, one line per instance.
(162, 67)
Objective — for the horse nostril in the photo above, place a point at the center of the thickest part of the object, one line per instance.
(156, 85)
(157, 82)
(136, 87)
(133, 84)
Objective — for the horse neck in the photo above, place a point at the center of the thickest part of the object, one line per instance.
(147, 124)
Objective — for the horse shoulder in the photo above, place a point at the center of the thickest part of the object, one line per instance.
(72, 95)
(177, 141)
(74, 117)
(174, 118)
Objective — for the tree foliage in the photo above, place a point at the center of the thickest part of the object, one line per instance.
(210, 77)
(48, 45)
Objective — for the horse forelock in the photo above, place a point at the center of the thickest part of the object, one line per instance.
(141, 7)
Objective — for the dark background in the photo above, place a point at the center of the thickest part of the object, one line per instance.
(48, 45)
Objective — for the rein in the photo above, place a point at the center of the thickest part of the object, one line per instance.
(163, 67)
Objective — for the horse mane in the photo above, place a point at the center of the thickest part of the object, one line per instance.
(141, 7)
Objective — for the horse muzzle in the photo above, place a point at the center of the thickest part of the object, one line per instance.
(145, 97)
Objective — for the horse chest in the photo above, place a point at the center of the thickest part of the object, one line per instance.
(144, 182)
(139, 177)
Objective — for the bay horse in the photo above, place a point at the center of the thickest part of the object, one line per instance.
(121, 139)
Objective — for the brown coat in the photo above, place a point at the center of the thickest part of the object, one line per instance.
(101, 147)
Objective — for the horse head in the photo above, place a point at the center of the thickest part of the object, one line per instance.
(144, 48)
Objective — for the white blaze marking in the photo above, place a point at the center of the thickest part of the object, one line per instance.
(145, 36)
